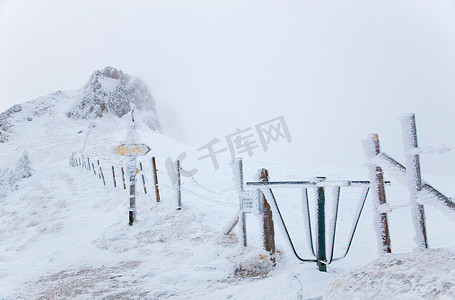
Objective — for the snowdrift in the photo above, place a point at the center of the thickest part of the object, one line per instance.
(426, 275)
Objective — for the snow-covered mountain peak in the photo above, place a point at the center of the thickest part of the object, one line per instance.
(113, 91)
(109, 92)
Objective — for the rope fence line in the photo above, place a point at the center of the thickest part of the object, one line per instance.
(188, 187)
(222, 192)
(213, 198)
(232, 189)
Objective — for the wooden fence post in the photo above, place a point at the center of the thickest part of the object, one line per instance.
(88, 161)
(267, 220)
(155, 179)
(372, 148)
(123, 177)
(101, 172)
(113, 176)
(99, 168)
(409, 131)
(143, 178)
(178, 187)
(93, 168)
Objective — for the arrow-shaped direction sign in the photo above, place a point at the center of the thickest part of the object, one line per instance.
(136, 149)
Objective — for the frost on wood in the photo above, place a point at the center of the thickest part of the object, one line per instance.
(112, 91)
(409, 133)
(237, 174)
(428, 194)
(372, 150)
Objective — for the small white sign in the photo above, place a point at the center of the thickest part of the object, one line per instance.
(247, 203)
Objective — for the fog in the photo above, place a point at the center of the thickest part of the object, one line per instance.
(336, 70)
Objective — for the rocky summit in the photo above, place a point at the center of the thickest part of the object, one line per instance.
(112, 91)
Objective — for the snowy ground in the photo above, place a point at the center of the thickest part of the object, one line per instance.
(64, 234)
(427, 275)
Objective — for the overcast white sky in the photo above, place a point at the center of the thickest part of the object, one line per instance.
(337, 70)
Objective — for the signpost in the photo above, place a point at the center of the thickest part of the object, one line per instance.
(136, 149)
(132, 150)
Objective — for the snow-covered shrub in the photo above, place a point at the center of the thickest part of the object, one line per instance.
(24, 167)
(5, 175)
(10, 177)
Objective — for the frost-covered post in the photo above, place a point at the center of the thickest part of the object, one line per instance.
(113, 176)
(155, 179)
(131, 171)
(131, 149)
(123, 177)
(237, 172)
(267, 219)
(88, 163)
(178, 185)
(371, 148)
(409, 131)
(99, 169)
(320, 228)
(143, 178)
(242, 215)
(101, 172)
(93, 168)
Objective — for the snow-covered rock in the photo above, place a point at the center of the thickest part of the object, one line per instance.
(5, 122)
(112, 91)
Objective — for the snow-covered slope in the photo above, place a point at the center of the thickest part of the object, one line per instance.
(64, 234)
(53, 126)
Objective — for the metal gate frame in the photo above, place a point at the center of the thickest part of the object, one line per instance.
(319, 183)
